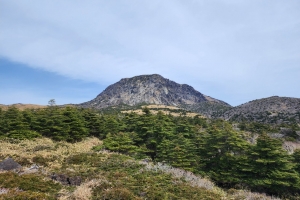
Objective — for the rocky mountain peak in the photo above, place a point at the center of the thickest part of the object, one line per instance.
(149, 89)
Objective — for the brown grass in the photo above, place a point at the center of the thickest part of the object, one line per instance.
(46, 148)
(82, 192)
(21, 106)
(161, 106)
(166, 112)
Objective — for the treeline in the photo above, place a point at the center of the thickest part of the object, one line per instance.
(208, 147)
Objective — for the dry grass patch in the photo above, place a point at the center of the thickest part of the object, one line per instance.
(162, 106)
(166, 112)
(44, 150)
(82, 192)
(21, 106)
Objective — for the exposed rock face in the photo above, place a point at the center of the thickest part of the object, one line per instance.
(9, 164)
(149, 89)
(267, 110)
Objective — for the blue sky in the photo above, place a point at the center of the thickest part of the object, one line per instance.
(72, 50)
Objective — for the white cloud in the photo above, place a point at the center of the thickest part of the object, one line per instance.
(221, 43)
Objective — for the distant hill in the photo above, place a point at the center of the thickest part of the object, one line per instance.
(267, 110)
(153, 89)
(21, 106)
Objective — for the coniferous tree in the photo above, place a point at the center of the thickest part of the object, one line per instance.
(272, 167)
(185, 128)
(16, 126)
(296, 156)
(111, 125)
(178, 152)
(75, 122)
(119, 142)
(94, 122)
(54, 125)
(30, 118)
(146, 134)
(13, 120)
(221, 151)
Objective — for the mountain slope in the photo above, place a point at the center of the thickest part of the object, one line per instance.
(267, 110)
(149, 89)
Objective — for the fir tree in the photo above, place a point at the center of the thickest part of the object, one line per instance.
(13, 120)
(93, 122)
(119, 142)
(221, 151)
(75, 122)
(178, 152)
(272, 167)
(54, 125)
(296, 156)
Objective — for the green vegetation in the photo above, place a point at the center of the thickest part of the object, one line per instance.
(211, 148)
(29, 186)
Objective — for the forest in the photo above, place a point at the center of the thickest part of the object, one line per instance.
(210, 148)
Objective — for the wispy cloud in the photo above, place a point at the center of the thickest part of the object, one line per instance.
(235, 47)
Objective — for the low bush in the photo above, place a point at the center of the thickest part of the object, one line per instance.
(31, 184)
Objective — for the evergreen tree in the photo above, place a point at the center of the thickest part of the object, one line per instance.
(272, 167)
(13, 120)
(221, 152)
(29, 118)
(23, 134)
(111, 125)
(178, 152)
(184, 127)
(119, 142)
(75, 122)
(53, 124)
(93, 122)
(296, 156)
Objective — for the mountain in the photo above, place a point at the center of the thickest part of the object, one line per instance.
(150, 89)
(155, 89)
(273, 110)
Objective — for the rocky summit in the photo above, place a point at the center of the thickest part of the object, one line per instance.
(148, 89)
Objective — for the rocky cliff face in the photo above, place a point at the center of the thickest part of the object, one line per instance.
(149, 89)
(267, 110)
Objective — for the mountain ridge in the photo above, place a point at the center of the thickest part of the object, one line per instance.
(149, 89)
(155, 89)
(132, 93)
(272, 109)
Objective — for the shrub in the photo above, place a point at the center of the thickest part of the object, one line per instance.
(23, 134)
(29, 183)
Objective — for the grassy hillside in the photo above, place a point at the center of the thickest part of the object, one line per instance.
(21, 106)
(235, 156)
(103, 175)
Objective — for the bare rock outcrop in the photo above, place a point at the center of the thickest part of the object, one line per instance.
(9, 164)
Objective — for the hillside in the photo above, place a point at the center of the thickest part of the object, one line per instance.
(21, 106)
(195, 147)
(210, 109)
(274, 110)
(149, 89)
(60, 170)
